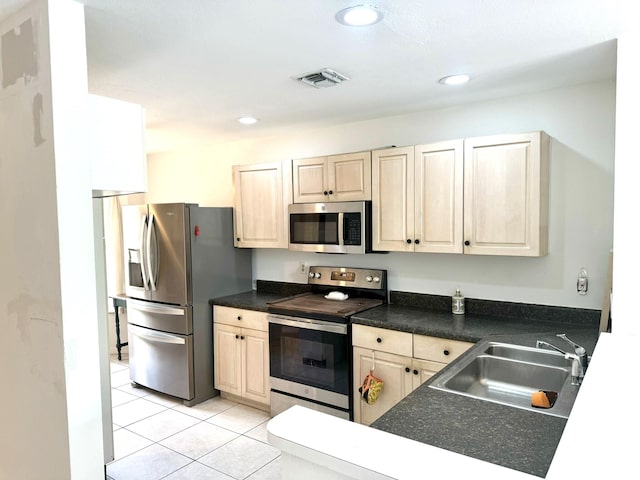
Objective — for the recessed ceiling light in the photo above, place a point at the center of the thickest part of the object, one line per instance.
(359, 16)
(458, 79)
(247, 120)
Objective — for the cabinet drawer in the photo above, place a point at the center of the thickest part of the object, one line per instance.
(383, 340)
(238, 317)
(438, 349)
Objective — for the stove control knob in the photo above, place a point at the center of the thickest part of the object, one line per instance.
(376, 279)
(318, 275)
(311, 275)
(369, 278)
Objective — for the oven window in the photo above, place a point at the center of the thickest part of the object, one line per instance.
(310, 357)
(314, 228)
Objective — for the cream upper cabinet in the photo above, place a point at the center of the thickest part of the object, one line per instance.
(438, 197)
(506, 180)
(336, 178)
(417, 195)
(392, 203)
(117, 148)
(261, 201)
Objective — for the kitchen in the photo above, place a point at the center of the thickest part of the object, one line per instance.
(524, 280)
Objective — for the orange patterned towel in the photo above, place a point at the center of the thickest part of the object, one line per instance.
(370, 388)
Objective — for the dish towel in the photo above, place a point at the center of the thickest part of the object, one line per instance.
(370, 388)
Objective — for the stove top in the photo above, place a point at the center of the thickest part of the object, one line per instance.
(364, 289)
(310, 304)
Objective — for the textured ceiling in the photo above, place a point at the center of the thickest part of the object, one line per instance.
(197, 65)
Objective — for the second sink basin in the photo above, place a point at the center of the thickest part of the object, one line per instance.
(509, 374)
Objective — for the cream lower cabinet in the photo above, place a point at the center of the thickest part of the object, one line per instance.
(241, 354)
(336, 178)
(417, 198)
(395, 370)
(261, 202)
(404, 361)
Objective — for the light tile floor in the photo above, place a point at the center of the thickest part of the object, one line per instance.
(156, 437)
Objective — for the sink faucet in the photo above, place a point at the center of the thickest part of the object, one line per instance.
(579, 358)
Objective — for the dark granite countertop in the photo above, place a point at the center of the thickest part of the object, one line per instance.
(267, 291)
(507, 436)
(512, 437)
(468, 327)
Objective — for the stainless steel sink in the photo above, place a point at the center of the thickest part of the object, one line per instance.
(527, 354)
(509, 374)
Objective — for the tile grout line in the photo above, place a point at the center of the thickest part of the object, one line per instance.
(199, 419)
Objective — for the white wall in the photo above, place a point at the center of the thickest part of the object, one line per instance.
(626, 259)
(580, 121)
(50, 411)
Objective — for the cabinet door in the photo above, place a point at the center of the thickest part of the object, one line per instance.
(506, 195)
(394, 370)
(262, 197)
(423, 370)
(310, 182)
(349, 177)
(393, 199)
(438, 197)
(227, 365)
(255, 360)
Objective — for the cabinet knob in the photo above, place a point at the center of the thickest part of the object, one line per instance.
(241, 337)
(417, 241)
(379, 340)
(325, 193)
(467, 243)
(237, 336)
(415, 372)
(239, 317)
(407, 369)
(408, 240)
(330, 192)
(237, 239)
(446, 352)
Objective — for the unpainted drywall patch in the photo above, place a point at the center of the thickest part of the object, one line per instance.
(38, 110)
(18, 49)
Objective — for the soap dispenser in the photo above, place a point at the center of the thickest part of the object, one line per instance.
(457, 303)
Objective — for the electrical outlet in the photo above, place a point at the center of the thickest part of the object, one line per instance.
(302, 268)
(583, 282)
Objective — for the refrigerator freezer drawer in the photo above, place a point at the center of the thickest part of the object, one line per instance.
(168, 318)
(161, 361)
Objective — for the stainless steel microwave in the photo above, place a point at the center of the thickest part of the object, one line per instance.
(340, 227)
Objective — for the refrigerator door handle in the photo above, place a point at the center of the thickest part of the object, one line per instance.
(152, 256)
(143, 263)
(156, 337)
(162, 310)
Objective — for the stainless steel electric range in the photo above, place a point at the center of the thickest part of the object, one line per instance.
(310, 355)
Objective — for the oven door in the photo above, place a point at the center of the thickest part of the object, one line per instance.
(310, 359)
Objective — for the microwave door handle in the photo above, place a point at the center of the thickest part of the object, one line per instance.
(143, 246)
(341, 228)
(152, 255)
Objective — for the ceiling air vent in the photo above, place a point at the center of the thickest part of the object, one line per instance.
(322, 78)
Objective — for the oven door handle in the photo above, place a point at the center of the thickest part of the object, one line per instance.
(308, 324)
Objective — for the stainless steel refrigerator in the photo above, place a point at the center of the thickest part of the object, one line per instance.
(177, 257)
